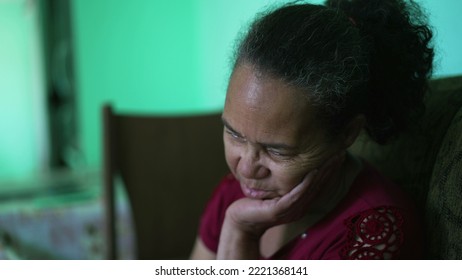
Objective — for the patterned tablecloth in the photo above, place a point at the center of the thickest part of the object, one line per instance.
(65, 221)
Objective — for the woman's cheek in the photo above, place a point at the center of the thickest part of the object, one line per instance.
(287, 177)
(230, 160)
(290, 174)
(231, 156)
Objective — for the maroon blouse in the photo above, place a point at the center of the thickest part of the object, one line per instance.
(374, 221)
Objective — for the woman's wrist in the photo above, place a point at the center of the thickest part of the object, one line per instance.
(237, 242)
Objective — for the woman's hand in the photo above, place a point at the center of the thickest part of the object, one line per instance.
(247, 219)
(255, 216)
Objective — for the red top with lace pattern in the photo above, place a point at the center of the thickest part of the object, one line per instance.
(375, 220)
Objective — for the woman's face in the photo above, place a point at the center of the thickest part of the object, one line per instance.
(272, 139)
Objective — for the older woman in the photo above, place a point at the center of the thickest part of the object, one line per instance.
(306, 80)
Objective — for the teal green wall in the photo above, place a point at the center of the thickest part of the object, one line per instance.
(164, 57)
(445, 16)
(22, 105)
(172, 57)
(158, 56)
(138, 55)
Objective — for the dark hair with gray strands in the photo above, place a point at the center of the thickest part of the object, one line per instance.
(370, 57)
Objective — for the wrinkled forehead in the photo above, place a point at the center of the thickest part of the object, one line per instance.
(254, 89)
(268, 104)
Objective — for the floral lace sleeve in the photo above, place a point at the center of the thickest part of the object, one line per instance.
(374, 234)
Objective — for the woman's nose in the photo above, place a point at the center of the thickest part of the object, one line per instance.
(250, 165)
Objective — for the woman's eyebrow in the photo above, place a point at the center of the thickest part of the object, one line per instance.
(275, 146)
(278, 146)
(230, 128)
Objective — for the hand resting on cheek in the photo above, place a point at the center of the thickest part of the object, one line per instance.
(247, 219)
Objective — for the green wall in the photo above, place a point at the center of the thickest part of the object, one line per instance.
(172, 57)
(163, 57)
(23, 141)
(157, 56)
(445, 16)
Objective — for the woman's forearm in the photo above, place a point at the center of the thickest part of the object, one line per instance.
(236, 244)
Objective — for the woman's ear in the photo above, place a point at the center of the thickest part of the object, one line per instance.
(352, 130)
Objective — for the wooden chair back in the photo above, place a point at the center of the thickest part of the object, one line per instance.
(169, 167)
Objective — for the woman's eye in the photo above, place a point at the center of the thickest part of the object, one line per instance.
(277, 153)
(235, 136)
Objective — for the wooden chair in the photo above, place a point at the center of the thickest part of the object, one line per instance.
(169, 167)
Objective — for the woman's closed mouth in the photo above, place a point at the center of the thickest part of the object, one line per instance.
(256, 193)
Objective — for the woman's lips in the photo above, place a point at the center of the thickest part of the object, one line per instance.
(255, 193)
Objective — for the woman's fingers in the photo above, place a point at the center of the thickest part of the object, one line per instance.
(295, 202)
(289, 207)
(317, 177)
(298, 191)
